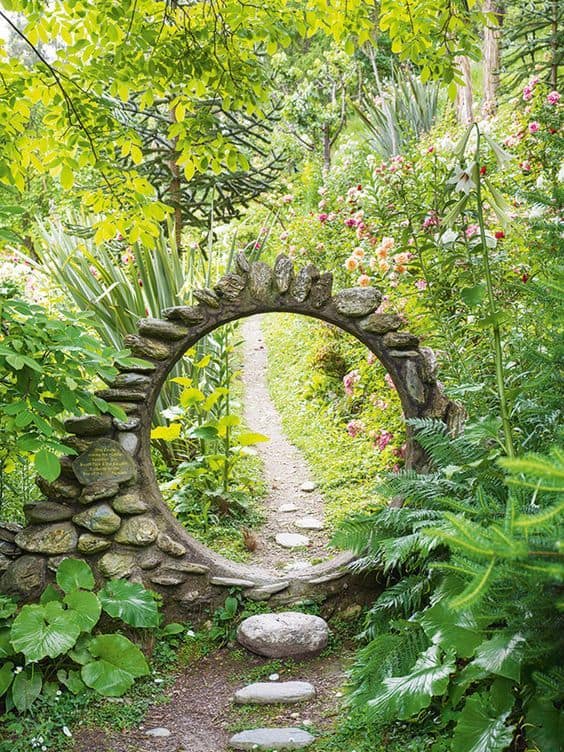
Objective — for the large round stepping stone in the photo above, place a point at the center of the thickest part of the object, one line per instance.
(309, 523)
(284, 635)
(266, 693)
(272, 739)
(292, 540)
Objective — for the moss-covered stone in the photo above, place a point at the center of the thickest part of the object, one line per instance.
(98, 519)
(48, 539)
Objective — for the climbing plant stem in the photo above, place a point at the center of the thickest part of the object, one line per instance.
(494, 314)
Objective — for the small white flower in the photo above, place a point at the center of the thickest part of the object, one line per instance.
(58, 693)
(463, 178)
(67, 731)
(18, 669)
(158, 681)
(190, 633)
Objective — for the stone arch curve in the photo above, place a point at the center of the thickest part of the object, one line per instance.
(106, 506)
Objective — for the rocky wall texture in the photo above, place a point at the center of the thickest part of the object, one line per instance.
(106, 506)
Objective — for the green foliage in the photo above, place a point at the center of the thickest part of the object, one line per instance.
(477, 644)
(62, 626)
(49, 366)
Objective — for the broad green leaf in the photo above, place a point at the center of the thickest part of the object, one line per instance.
(6, 676)
(168, 433)
(173, 628)
(74, 574)
(502, 655)
(41, 631)
(456, 630)
(129, 602)
(71, 680)
(26, 688)
(404, 696)
(472, 296)
(50, 594)
(87, 608)
(47, 465)
(480, 728)
(6, 648)
(227, 421)
(119, 662)
(191, 396)
(204, 432)
(7, 607)
(546, 727)
(247, 439)
(67, 178)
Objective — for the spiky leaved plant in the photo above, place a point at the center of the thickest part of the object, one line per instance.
(468, 630)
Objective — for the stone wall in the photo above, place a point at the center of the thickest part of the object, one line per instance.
(106, 506)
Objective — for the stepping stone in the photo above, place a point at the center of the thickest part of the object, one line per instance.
(308, 486)
(284, 635)
(287, 508)
(292, 540)
(160, 731)
(272, 739)
(309, 523)
(266, 693)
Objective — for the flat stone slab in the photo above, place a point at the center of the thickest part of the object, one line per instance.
(104, 460)
(284, 635)
(308, 486)
(292, 540)
(309, 523)
(272, 739)
(287, 508)
(160, 731)
(267, 693)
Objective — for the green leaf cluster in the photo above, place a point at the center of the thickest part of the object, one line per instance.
(469, 629)
(48, 366)
(57, 638)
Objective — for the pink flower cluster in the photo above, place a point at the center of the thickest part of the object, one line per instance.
(529, 88)
(355, 427)
(381, 439)
(553, 97)
(349, 381)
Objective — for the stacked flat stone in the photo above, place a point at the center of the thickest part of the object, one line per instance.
(106, 506)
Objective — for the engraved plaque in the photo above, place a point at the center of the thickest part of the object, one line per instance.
(104, 460)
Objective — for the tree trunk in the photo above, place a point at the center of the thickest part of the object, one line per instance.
(464, 100)
(326, 147)
(492, 38)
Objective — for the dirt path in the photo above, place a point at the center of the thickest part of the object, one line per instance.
(200, 715)
(285, 469)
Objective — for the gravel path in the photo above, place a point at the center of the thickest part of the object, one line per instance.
(285, 469)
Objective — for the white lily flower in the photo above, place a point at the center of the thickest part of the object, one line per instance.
(463, 179)
(448, 237)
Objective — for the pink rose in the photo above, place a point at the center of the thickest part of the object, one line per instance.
(534, 127)
(553, 97)
(421, 284)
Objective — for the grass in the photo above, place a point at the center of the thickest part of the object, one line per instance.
(346, 469)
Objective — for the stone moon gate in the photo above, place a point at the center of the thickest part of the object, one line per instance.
(106, 506)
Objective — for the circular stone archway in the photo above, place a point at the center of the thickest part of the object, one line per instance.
(106, 506)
